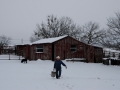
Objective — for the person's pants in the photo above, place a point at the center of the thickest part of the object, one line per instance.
(58, 73)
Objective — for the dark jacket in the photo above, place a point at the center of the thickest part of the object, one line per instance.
(58, 63)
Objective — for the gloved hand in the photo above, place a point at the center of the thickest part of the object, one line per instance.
(66, 67)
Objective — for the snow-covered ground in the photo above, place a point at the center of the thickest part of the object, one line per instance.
(5, 56)
(35, 75)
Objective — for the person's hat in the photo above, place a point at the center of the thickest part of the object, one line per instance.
(58, 57)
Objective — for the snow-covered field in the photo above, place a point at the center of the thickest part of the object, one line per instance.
(35, 75)
(7, 57)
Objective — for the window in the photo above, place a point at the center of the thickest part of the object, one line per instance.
(39, 48)
(73, 48)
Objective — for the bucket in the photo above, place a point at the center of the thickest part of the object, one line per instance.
(53, 74)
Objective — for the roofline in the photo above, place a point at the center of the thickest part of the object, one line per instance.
(49, 42)
(61, 39)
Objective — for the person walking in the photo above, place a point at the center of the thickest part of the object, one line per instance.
(57, 66)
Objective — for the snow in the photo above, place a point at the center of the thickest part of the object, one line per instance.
(5, 56)
(79, 59)
(46, 40)
(113, 54)
(105, 58)
(35, 75)
(49, 40)
(114, 58)
(110, 50)
(25, 43)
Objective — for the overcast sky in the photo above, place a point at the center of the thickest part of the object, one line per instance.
(18, 18)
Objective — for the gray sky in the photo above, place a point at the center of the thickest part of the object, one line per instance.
(18, 18)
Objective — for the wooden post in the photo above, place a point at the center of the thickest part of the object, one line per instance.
(19, 55)
(9, 54)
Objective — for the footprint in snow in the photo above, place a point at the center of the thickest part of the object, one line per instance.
(98, 78)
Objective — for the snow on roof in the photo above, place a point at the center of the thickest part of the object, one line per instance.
(11, 45)
(24, 44)
(49, 40)
(111, 50)
(95, 45)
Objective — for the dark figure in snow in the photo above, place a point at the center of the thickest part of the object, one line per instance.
(57, 66)
(24, 60)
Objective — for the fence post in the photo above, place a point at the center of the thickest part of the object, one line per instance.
(19, 55)
(9, 56)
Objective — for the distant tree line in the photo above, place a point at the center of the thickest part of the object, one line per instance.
(89, 33)
(112, 37)
(4, 41)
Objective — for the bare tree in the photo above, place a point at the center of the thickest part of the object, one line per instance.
(92, 33)
(113, 24)
(34, 37)
(4, 40)
(55, 27)
(109, 41)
